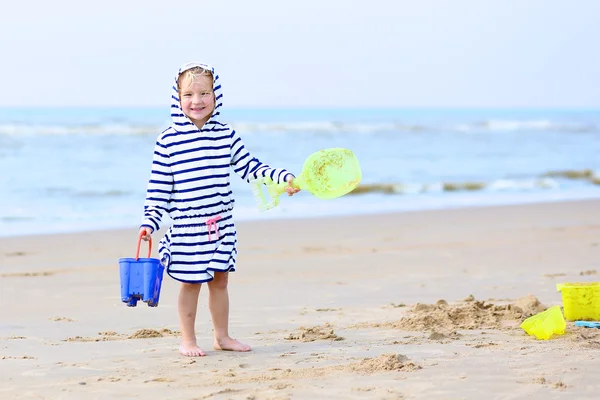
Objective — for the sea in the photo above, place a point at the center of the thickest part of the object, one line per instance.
(83, 169)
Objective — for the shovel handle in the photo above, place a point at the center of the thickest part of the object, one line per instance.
(139, 242)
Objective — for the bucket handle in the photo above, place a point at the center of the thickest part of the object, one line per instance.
(139, 242)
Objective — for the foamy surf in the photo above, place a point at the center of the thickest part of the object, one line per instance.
(91, 171)
(314, 127)
(548, 181)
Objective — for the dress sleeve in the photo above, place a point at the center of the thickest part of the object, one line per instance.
(160, 187)
(249, 167)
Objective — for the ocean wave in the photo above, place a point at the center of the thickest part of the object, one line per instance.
(589, 175)
(526, 126)
(104, 193)
(12, 218)
(95, 129)
(318, 127)
(441, 187)
(328, 127)
(548, 180)
(70, 192)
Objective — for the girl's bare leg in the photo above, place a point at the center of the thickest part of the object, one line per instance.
(218, 303)
(187, 307)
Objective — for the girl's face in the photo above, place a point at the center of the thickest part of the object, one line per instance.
(197, 98)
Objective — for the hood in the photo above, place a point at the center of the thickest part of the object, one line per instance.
(181, 122)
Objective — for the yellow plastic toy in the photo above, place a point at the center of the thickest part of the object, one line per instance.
(581, 301)
(327, 174)
(545, 324)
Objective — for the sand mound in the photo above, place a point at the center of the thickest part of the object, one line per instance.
(324, 332)
(151, 333)
(472, 314)
(586, 338)
(385, 362)
(111, 335)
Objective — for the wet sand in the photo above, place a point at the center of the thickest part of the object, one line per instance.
(421, 305)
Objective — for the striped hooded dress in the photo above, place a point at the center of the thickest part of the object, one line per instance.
(190, 182)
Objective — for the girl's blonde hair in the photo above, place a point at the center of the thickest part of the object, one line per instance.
(194, 74)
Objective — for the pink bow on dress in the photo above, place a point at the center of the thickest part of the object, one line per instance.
(212, 222)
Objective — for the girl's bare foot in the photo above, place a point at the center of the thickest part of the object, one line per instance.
(230, 344)
(191, 349)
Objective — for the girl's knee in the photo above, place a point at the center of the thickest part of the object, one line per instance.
(190, 287)
(220, 281)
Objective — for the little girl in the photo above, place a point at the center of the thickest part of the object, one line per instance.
(190, 182)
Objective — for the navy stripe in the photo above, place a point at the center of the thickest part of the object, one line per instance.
(241, 158)
(161, 182)
(204, 167)
(187, 209)
(196, 217)
(205, 158)
(208, 196)
(193, 160)
(204, 233)
(195, 189)
(196, 244)
(161, 173)
(187, 218)
(198, 253)
(202, 178)
(199, 138)
(156, 152)
(202, 272)
(150, 198)
(161, 163)
(148, 210)
(198, 262)
(199, 178)
(159, 191)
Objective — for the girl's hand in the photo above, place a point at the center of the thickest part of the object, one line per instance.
(289, 188)
(146, 232)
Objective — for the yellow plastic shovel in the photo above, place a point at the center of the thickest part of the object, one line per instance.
(326, 174)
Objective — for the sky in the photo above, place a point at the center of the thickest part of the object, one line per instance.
(326, 53)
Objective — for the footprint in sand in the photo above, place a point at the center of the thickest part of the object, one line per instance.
(63, 319)
(160, 380)
(588, 272)
(555, 275)
(281, 386)
(26, 274)
(15, 254)
(18, 358)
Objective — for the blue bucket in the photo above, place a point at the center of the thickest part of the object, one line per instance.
(141, 278)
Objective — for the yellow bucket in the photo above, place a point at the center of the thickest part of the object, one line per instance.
(581, 300)
(545, 324)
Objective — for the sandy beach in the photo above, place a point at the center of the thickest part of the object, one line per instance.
(398, 306)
